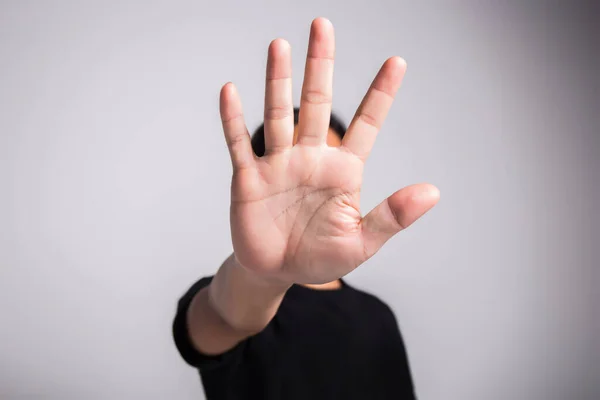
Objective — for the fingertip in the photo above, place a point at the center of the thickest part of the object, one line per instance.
(227, 89)
(229, 101)
(390, 75)
(422, 195)
(225, 95)
(428, 196)
(322, 39)
(432, 192)
(396, 62)
(321, 22)
(321, 29)
(278, 46)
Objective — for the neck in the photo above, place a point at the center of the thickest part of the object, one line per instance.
(333, 285)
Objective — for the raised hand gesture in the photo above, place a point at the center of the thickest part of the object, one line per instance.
(295, 213)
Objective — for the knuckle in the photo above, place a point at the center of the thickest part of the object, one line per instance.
(316, 97)
(368, 119)
(231, 118)
(278, 112)
(236, 140)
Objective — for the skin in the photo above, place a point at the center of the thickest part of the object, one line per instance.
(295, 212)
(333, 140)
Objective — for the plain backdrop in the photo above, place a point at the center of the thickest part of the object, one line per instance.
(114, 180)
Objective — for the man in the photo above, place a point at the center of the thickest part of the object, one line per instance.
(276, 321)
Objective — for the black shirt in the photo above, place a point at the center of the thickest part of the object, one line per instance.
(321, 344)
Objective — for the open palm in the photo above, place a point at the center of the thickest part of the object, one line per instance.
(295, 211)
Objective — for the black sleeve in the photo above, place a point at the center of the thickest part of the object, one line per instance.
(394, 355)
(184, 344)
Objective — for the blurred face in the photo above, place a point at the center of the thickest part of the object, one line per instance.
(333, 139)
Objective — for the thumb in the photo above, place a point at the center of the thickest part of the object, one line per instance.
(396, 213)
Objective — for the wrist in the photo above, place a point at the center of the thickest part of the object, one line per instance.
(262, 281)
(245, 300)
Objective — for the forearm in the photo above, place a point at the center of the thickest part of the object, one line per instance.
(236, 304)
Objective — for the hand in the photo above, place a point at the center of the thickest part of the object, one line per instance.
(295, 211)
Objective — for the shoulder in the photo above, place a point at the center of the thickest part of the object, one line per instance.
(371, 302)
(378, 312)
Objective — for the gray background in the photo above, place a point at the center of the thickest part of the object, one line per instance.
(114, 181)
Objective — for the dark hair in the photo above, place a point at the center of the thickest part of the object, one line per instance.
(258, 137)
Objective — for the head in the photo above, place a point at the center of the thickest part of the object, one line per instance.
(337, 129)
